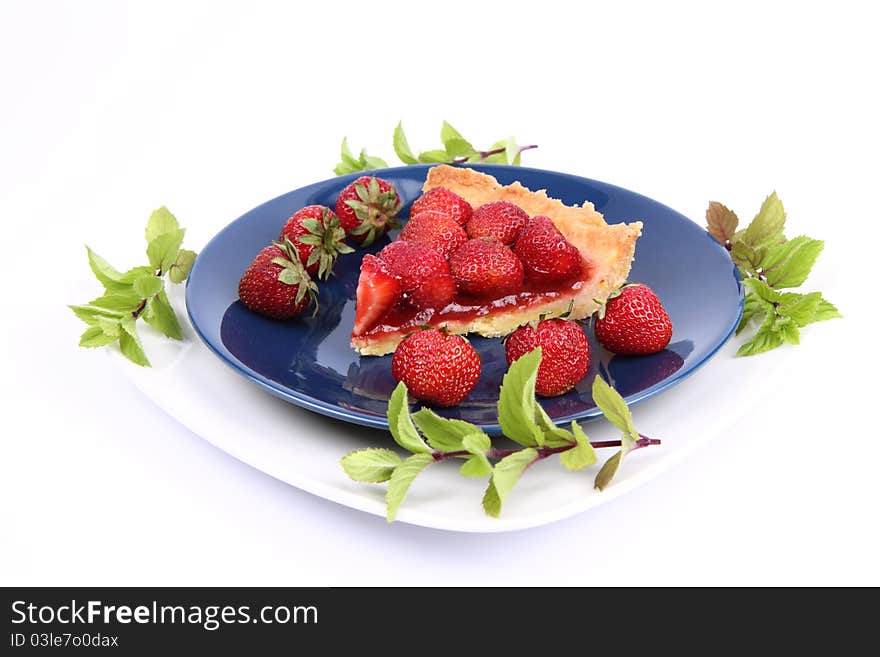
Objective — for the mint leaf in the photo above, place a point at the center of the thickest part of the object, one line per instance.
(721, 222)
(442, 434)
(183, 263)
(373, 162)
(504, 476)
(401, 146)
(459, 148)
(449, 135)
(159, 223)
(801, 308)
(607, 472)
(752, 308)
(553, 436)
(116, 303)
(764, 340)
(825, 310)
(613, 407)
(476, 467)
(372, 465)
(94, 336)
(162, 250)
(159, 314)
(497, 158)
(107, 275)
(767, 226)
(400, 481)
(433, 157)
(516, 401)
(511, 151)
(401, 425)
(787, 329)
(130, 343)
(748, 259)
(762, 290)
(580, 456)
(789, 264)
(147, 286)
(348, 163)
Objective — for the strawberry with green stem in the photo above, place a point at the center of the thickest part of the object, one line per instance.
(276, 284)
(367, 208)
(319, 238)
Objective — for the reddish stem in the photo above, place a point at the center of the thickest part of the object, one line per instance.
(494, 151)
(544, 452)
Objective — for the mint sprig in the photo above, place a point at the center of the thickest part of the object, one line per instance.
(138, 293)
(432, 439)
(456, 150)
(768, 263)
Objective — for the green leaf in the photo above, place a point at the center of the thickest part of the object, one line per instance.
(162, 249)
(764, 339)
(801, 308)
(130, 343)
(498, 158)
(824, 311)
(476, 443)
(401, 146)
(370, 465)
(160, 223)
(117, 303)
(147, 286)
(787, 328)
(752, 308)
(401, 425)
(721, 222)
(373, 162)
(580, 456)
(608, 470)
(516, 401)
(762, 290)
(400, 481)
(504, 476)
(129, 277)
(459, 148)
(511, 150)
(476, 466)
(789, 264)
(183, 263)
(553, 436)
(491, 501)
(449, 134)
(613, 407)
(442, 434)
(748, 259)
(159, 314)
(767, 226)
(94, 336)
(107, 275)
(434, 157)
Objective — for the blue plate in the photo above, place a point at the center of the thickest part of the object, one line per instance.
(309, 361)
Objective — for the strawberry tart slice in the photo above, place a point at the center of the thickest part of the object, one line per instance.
(479, 257)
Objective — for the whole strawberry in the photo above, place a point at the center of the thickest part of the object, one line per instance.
(416, 265)
(444, 202)
(367, 208)
(547, 256)
(499, 220)
(318, 237)
(276, 284)
(565, 354)
(436, 367)
(486, 268)
(377, 292)
(633, 322)
(441, 232)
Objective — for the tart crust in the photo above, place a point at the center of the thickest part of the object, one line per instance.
(609, 250)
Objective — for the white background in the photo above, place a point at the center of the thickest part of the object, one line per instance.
(109, 110)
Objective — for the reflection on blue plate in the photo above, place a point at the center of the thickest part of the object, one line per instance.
(308, 361)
